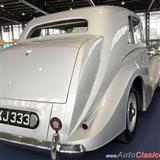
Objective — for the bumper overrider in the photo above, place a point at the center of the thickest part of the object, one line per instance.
(69, 149)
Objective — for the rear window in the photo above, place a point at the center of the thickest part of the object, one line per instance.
(59, 28)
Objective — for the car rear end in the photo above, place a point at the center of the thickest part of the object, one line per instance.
(34, 77)
(43, 77)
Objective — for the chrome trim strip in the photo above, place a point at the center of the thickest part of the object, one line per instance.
(129, 52)
(30, 142)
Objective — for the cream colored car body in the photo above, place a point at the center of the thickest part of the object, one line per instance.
(77, 77)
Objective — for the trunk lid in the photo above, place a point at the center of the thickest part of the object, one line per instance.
(39, 71)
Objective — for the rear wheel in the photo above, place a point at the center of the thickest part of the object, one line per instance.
(131, 117)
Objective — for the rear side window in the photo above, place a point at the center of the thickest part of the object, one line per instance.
(135, 30)
(59, 28)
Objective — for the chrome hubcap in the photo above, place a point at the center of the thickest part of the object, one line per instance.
(132, 112)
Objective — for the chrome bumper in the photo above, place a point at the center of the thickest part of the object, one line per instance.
(53, 146)
(69, 149)
(30, 142)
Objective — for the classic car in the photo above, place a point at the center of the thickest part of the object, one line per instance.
(76, 80)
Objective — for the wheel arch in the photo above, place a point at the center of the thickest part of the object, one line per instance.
(138, 84)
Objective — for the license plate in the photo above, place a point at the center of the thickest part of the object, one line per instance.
(19, 118)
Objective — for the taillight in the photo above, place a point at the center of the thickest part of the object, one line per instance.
(56, 124)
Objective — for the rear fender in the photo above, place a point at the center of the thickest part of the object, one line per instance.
(110, 119)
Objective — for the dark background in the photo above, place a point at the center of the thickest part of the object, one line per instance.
(22, 11)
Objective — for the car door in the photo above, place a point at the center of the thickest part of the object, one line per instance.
(154, 69)
(142, 58)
